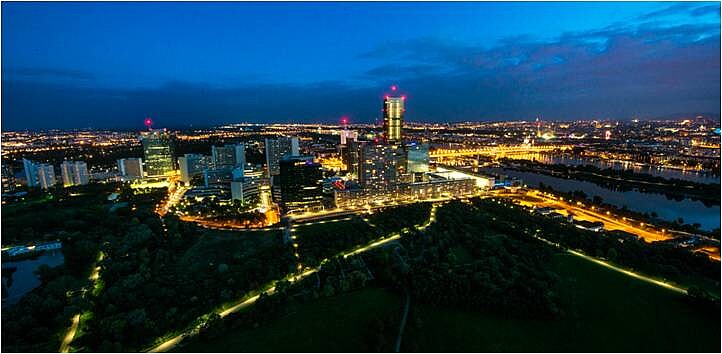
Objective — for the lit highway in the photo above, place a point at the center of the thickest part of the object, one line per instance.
(496, 151)
(535, 198)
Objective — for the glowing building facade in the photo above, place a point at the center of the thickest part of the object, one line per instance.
(393, 119)
(158, 153)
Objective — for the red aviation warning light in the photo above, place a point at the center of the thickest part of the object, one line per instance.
(344, 120)
(148, 122)
(393, 88)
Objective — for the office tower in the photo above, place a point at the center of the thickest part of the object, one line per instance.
(418, 157)
(158, 153)
(192, 165)
(393, 118)
(378, 165)
(31, 173)
(229, 156)
(46, 175)
(277, 149)
(74, 173)
(131, 168)
(8, 178)
(301, 182)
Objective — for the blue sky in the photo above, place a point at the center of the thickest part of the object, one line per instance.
(86, 64)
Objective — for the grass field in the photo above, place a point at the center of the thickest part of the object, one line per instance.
(326, 325)
(607, 311)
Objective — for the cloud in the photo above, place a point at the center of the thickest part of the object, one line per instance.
(618, 71)
(53, 73)
(684, 8)
(43, 105)
(614, 72)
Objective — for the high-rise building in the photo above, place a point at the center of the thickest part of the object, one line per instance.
(393, 118)
(192, 165)
(301, 182)
(158, 153)
(277, 149)
(229, 156)
(377, 165)
(8, 178)
(46, 175)
(245, 189)
(74, 173)
(418, 157)
(131, 168)
(31, 173)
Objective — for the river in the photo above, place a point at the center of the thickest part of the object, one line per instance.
(689, 210)
(688, 175)
(24, 278)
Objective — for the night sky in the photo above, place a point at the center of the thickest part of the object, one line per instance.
(109, 65)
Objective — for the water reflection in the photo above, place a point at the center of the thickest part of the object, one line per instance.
(688, 175)
(691, 211)
(23, 280)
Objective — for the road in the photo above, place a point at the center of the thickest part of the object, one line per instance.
(615, 268)
(70, 335)
(630, 273)
(175, 194)
(581, 212)
(65, 344)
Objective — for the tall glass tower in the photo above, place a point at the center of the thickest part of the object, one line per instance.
(158, 153)
(393, 118)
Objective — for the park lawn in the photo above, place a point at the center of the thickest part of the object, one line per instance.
(333, 324)
(219, 246)
(606, 311)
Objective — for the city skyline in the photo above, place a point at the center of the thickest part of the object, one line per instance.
(466, 62)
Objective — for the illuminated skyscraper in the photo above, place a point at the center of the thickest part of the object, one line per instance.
(377, 165)
(277, 149)
(158, 152)
(393, 118)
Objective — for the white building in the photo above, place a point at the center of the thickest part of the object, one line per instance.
(42, 175)
(74, 173)
(131, 168)
(46, 175)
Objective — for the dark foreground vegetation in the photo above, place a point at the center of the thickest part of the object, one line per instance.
(481, 263)
(477, 279)
(79, 218)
